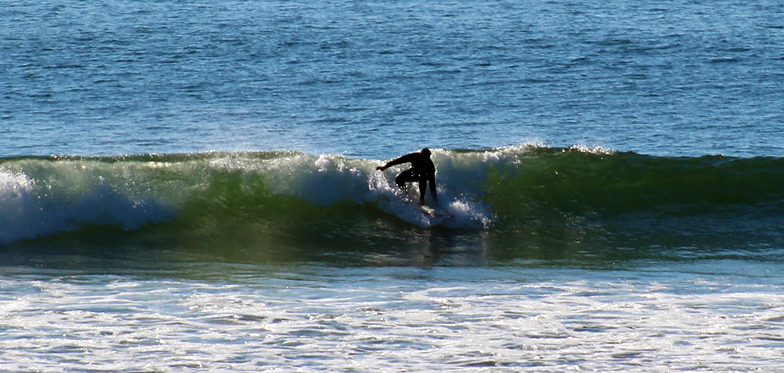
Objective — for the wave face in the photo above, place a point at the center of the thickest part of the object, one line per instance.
(527, 201)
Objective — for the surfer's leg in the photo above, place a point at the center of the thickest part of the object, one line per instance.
(422, 189)
(403, 178)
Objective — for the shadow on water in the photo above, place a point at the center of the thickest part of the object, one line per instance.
(110, 250)
(363, 238)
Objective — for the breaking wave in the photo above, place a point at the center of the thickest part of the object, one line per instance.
(518, 195)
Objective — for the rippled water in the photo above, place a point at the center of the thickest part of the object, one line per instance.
(376, 79)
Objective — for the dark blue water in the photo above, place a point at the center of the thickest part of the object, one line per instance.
(375, 79)
(614, 169)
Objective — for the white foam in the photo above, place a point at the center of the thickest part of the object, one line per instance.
(15, 206)
(31, 208)
(396, 319)
(598, 150)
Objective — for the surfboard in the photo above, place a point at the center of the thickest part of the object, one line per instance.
(436, 213)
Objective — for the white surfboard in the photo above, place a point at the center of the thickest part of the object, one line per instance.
(436, 213)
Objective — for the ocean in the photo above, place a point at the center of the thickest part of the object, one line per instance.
(192, 186)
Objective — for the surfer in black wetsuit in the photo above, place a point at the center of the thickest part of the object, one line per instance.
(422, 170)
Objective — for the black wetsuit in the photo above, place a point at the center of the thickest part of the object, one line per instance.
(422, 170)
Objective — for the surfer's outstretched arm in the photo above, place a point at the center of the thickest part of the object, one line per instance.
(408, 158)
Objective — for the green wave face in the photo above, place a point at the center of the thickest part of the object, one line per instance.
(514, 203)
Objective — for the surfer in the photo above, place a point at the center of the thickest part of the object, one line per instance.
(422, 170)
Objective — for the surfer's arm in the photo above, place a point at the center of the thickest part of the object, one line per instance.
(404, 159)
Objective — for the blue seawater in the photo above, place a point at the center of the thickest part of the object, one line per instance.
(191, 185)
(377, 79)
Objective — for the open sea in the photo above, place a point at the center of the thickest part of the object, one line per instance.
(191, 186)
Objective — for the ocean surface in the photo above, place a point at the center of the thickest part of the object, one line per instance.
(191, 185)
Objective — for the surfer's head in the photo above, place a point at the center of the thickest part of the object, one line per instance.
(425, 152)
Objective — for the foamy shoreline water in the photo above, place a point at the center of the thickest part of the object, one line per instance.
(676, 317)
